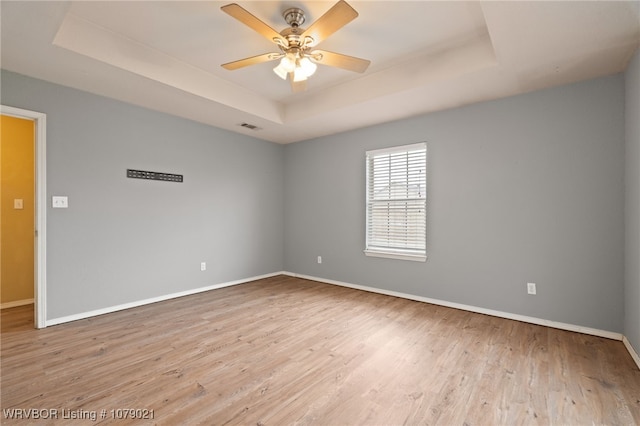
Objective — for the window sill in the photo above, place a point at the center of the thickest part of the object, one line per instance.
(396, 255)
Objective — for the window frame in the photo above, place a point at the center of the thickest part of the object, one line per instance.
(396, 252)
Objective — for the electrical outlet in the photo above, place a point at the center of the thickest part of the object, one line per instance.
(59, 202)
(319, 259)
(531, 288)
(203, 266)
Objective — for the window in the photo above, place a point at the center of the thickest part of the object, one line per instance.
(396, 202)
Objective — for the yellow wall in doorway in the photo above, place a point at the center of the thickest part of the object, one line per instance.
(17, 159)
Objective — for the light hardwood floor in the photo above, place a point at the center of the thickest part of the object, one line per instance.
(290, 351)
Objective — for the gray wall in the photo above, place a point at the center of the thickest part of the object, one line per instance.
(632, 207)
(524, 189)
(123, 240)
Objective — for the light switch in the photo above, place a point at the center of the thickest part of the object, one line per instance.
(18, 204)
(59, 202)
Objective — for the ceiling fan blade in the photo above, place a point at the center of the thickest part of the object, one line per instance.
(297, 86)
(334, 19)
(254, 23)
(266, 57)
(346, 62)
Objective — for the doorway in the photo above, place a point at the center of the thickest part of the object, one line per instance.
(39, 201)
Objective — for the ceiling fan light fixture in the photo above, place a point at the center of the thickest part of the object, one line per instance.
(299, 75)
(286, 66)
(307, 66)
(280, 72)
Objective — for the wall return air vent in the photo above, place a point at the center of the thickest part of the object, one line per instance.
(144, 174)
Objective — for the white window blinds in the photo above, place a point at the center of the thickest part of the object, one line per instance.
(396, 201)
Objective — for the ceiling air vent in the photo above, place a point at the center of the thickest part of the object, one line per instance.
(250, 126)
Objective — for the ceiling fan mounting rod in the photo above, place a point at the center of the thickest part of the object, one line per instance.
(294, 17)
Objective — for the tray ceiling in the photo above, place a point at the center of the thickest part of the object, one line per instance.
(425, 56)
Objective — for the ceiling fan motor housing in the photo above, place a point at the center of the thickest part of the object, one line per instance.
(292, 35)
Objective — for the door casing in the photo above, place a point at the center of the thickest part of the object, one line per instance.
(40, 242)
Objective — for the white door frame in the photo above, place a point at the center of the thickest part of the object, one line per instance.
(40, 256)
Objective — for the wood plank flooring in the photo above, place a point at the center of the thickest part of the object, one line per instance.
(285, 351)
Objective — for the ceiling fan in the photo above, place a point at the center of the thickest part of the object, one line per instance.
(297, 55)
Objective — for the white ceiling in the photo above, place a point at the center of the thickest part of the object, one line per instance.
(425, 56)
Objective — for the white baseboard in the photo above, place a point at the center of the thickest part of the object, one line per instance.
(89, 314)
(507, 315)
(16, 303)
(631, 350)
(470, 308)
(500, 314)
